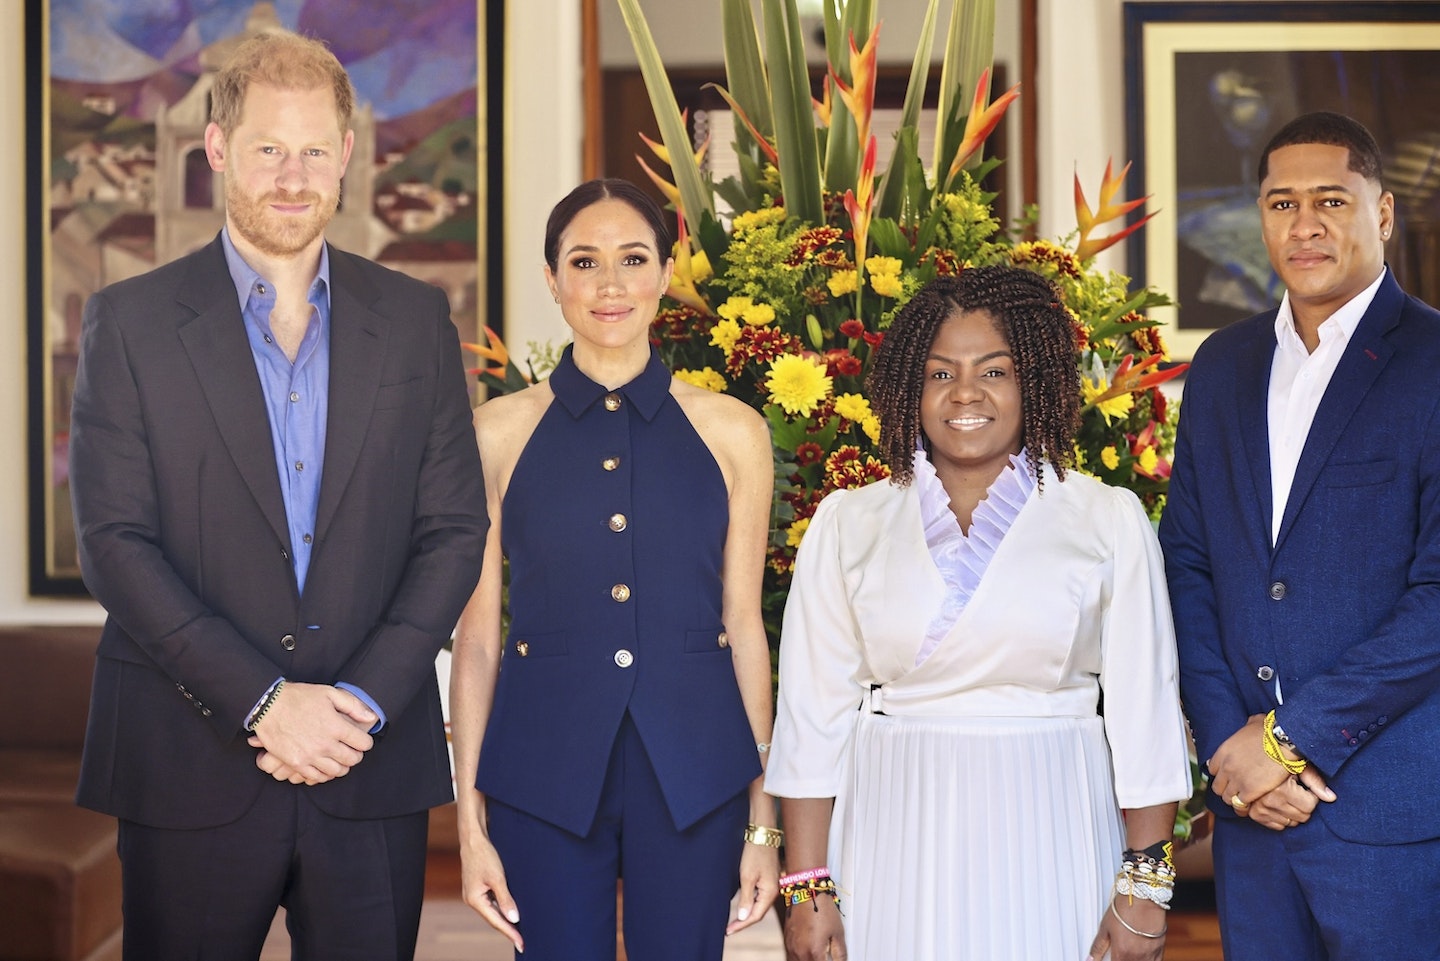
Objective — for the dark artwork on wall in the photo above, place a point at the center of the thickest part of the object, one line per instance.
(117, 103)
(1207, 84)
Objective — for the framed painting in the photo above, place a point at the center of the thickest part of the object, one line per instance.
(1208, 84)
(117, 103)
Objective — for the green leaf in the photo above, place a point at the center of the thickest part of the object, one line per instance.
(794, 116)
(694, 195)
(891, 194)
(969, 49)
(745, 70)
(889, 240)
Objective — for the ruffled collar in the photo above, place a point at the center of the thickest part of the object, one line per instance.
(960, 558)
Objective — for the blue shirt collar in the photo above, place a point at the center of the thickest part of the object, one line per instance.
(578, 393)
(245, 276)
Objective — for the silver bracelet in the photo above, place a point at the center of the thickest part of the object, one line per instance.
(1143, 934)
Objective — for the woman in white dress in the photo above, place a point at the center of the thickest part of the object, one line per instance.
(938, 748)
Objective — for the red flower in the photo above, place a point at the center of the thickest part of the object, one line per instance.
(873, 339)
(841, 363)
(852, 328)
(808, 453)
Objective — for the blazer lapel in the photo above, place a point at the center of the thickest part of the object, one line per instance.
(1365, 357)
(217, 347)
(358, 338)
(1252, 408)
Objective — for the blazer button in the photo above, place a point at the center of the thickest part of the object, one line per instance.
(288, 642)
(624, 658)
(206, 712)
(610, 463)
(522, 648)
(723, 639)
(612, 401)
(618, 522)
(620, 592)
(1265, 673)
(1277, 591)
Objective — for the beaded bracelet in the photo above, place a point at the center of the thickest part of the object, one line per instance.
(763, 836)
(1148, 874)
(1272, 748)
(807, 886)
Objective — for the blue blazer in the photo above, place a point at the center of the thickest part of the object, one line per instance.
(1345, 608)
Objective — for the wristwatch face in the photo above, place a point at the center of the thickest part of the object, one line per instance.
(1282, 737)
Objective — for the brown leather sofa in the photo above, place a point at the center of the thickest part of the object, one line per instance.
(59, 873)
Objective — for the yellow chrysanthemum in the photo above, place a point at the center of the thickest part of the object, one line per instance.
(758, 315)
(887, 285)
(843, 282)
(1112, 406)
(1109, 457)
(708, 378)
(735, 307)
(724, 334)
(798, 384)
(871, 426)
(1145, 464)
(796, 532)
(852, 407)
(883, 266)
(757, 218)
(700, 269)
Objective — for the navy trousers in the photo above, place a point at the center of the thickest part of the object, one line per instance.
(1304, 894)
(678, 884)
(351, 889)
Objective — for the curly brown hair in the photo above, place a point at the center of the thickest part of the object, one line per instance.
(1027, 312)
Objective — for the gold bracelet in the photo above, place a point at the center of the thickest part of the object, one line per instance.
(1273, 750)
(763, 836)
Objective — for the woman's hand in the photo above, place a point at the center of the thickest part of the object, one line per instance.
(1123, 944)
(814, 931)
(759, 883)
(483, 887)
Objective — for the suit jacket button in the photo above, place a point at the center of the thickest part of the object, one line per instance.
(624, 658)
(724, 639)
(1382, 719)
(206, 712)
(1265, 673)
(288, 642)
(620, 592)
(612, 401)
(522, 648)
(1277, 591)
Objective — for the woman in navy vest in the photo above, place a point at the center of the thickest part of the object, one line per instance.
(612, 732)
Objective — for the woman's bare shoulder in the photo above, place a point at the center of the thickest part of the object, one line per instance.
(504, 423)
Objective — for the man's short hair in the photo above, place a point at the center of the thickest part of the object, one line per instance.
(287, 61)
(1333, 130)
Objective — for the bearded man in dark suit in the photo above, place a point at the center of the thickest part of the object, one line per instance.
(279, 503)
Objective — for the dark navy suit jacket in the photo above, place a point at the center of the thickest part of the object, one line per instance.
(1345, 608)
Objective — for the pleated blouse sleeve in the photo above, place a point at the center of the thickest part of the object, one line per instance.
(820, 662)
(1139, 673)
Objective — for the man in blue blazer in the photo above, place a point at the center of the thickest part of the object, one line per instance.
(280, 505)
(1302, 546)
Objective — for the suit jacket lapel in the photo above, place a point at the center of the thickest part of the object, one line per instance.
(1365, 357)
(215, 341)
(1252, 407)
(358, 338)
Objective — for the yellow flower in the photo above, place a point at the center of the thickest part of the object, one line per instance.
(1147, 461)
(798, 384)
(796, 532)
(708, 378)
(887, 285)
(735, 307)
(757, 218)
(1108, 407)
(871, 426)
(758, 315)
(1109, 457)
(889, 266)
(843, 282)
(724, 334)
(700, 269)
(853, 407)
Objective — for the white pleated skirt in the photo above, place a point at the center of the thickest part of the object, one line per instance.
(975, 839)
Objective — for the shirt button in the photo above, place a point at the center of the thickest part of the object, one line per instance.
(624, 658)
(260, 288)
(294, 396)
(1277, 591)
(522, 648)
(618, 522)
(288, 642)
(307, 538)
(620, 592)
(723, 640)
(1265, 673)
(612, 401)
(299, 465)
(610, 463)
(267, 339)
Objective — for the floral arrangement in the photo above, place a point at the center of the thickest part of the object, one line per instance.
(783, 305)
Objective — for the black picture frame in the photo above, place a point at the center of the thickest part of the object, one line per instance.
(1208, 83)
